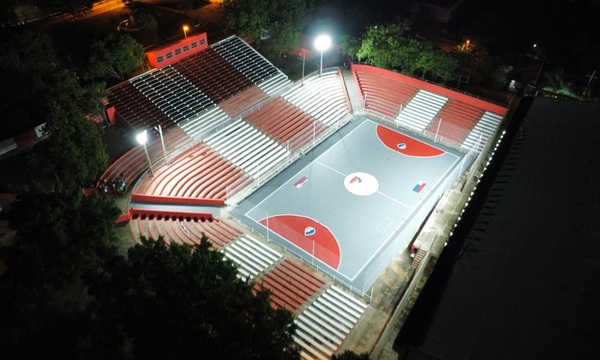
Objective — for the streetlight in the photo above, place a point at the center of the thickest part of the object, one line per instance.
(142, 138)
(322, 43)
(185, 29)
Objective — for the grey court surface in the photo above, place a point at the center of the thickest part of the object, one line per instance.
(370, 197)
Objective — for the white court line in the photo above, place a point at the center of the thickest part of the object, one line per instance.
(378, 192)
(414, 138)
(398, 225)
(303, 169)
(411, 208)
(444, 176)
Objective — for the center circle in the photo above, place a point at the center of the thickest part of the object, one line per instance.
(361, 184)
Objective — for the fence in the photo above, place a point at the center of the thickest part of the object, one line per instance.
(439, 133)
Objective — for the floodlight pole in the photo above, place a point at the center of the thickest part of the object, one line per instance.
(149, 162)
(321, 67)
(142, 138)
(303, 61)
(162, 140)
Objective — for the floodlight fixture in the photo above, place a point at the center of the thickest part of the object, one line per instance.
(322, 43)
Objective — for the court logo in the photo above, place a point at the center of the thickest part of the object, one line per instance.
(361, 184)
(309, 231)
(355, 179)
(401, 146)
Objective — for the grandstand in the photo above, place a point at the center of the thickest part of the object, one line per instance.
(233, 122)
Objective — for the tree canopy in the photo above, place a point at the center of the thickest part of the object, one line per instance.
(62, 240)
(64, 6)
(281, 20)
(26, 55)
(40, 88)
(8, 14)
(249, 18)
(388, 47)
(116, 56)
(77, 153)
(67, 293)
(172, 302)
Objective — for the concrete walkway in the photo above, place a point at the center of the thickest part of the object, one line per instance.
(353, 92)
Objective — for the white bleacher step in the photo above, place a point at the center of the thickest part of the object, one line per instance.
(240, 141)
(323, 348)
(170, 91)
(332, 316)
(275, 83)
(332, 336)
(309, 352)
(421, 110)
(342, 311)
(358, 305)
(315, 318)
(221, 134)
(331, 342)
(323, 317)
(205, 123)
(322, 98)
(251, 255)
(483, 131)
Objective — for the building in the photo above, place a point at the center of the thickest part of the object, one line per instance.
(174, 52)
(520, 277)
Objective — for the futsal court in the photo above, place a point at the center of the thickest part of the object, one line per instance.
(355, 201)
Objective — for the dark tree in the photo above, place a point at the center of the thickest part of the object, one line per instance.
(73, 7)
(388, 47)
(179, 301)
(115, 56)
(77, 153)
(62, 240)
(249, 18)
(26, 55)
(285, 29)
(8, 15)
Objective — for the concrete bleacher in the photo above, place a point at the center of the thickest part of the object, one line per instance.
(325, 323)
(285, 123)
(172, 93)
(182, 229)
(199, 172)
(251, 256)
(275, 84)
(134, 162)
(252, 64)
(247, 148)
(455, 120)
(321, 97)
(483, 131)
(205, 123)
(382, 94)
(135, 108)
(420, 110)
(291, 285)
(242, 102)
(212, 73)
